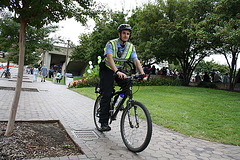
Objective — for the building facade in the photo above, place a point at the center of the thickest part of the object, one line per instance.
(58, 59)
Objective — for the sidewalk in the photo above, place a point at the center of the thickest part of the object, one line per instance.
(74, 111)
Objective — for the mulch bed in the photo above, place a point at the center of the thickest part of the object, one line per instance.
(36, 140)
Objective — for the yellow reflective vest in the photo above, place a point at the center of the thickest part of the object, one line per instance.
(119, 61)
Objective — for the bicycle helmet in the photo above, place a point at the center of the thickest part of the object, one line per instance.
(124, 27)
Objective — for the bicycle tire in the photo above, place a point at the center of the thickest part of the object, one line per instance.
(96, 111)
(2, 74)
(8, 75)
(136, 139)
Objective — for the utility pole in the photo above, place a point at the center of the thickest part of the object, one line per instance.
(65, 70)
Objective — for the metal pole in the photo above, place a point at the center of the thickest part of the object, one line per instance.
(65, 70)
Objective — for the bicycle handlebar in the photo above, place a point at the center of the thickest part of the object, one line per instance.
(138, 77)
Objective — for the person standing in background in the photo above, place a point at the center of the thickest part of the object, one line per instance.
(198, 78)
(43, 73)
(35, 73)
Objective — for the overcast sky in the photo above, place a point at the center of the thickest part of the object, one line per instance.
(70, 29)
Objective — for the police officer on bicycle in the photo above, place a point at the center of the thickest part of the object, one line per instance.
(116, 52)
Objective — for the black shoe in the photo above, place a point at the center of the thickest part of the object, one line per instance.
(105, 127)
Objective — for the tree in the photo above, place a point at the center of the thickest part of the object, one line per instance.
(92, 45)
(211, 65)
(39, 13)
(145, 31)
(225, 20)
(35, 39)
(9, 32)
(82, 51)
(170, 30)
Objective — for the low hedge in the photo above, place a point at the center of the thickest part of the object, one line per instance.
(207, 85)
(154, 80)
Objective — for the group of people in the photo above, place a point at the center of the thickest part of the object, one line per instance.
(149, 70)
(165, 71)
(44, 73)
(212, 77)
(55, 74)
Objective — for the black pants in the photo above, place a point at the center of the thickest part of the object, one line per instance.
(106, 85)
(58, 80)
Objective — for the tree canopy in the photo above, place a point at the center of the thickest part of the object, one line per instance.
(92, 45)
(36, 40)
(170, 30)
(225, 20)
(39, 13)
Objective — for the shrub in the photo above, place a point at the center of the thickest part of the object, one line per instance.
(91, 78)
(153, 81)
(156, 80)
(207, 85)
(77, 83)
(90, 82)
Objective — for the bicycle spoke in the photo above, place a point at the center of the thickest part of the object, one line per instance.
(129, 118)
(136, 117)
(96, 113)
(136, 128)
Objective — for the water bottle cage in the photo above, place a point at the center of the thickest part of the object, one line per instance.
(119, 99)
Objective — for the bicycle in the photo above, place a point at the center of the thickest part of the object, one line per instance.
(135, 123)
(6, 73)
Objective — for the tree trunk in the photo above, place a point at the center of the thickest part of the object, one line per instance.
(232, 72)
(237, 77)
(186, 78)
(13, 112)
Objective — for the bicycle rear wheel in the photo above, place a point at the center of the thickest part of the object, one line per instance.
(136, 127)
(96, 112)
(2, 74)
(8, 75)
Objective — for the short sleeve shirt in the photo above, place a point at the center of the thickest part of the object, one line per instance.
(109, 50)
(44, 70)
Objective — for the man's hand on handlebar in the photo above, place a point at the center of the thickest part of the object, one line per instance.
(121, 75)
(142, 77)
(145, 78)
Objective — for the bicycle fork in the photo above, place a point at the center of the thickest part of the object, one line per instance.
(129, 115)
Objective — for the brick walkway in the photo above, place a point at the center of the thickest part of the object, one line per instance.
(74, 111)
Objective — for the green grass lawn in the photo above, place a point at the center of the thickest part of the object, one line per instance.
(199, 112)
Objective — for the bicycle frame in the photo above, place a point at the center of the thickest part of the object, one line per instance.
(127, 94)
(136, 132)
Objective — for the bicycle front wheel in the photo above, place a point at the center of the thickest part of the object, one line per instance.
(136, 127)
(96, 112)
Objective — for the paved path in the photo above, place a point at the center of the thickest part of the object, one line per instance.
(74, 111)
